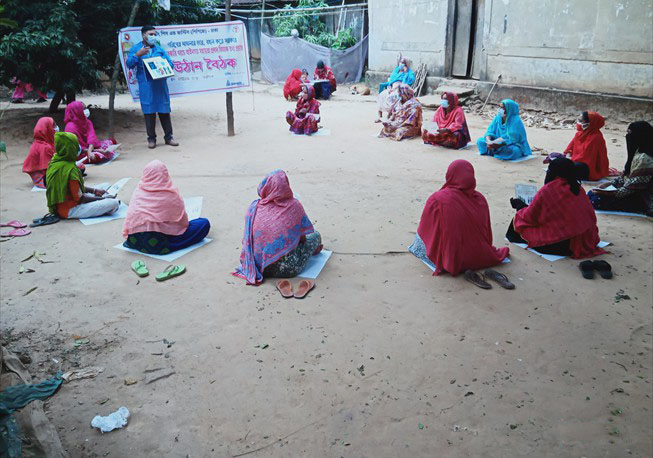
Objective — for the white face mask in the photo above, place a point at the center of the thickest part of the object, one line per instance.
(79, 152)
(56, 128)
(444, 103)
(87, 112)
(151, 40)
(501, 112)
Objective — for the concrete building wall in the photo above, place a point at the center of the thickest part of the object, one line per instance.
(417, 28)
(589, 45)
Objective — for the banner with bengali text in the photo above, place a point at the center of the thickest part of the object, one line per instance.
(206, 57)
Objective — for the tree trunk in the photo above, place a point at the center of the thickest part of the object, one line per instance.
(230, 107)
(56, 100)
(116, 74)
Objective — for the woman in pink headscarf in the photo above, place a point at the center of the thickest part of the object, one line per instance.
(279, 238)
(454, 232)
(77, 122)
(156, 221)
(452, 126)
(42, 149)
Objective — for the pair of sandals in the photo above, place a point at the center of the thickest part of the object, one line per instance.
(587, 268)
(479, 279)
(48, 218)
(140, 268)
(286, 289)
(17, 231)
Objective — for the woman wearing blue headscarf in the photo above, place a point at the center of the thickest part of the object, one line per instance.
(506, 137)
(402, 74)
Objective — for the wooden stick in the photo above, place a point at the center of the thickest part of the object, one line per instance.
(230, 106)
(490, 93)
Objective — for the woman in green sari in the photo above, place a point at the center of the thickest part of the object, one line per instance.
(67, 196)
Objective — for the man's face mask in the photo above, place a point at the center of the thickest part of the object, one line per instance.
(151, 40)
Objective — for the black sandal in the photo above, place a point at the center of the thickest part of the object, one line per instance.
(477, 279)
(500, 278)
(587, 268)
(49, 218)
(603, 268)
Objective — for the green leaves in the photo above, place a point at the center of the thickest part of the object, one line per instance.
(310, 27)
(65, 45)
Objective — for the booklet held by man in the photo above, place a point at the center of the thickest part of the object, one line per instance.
(158, 67)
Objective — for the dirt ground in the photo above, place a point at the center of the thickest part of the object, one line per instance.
(380, 360)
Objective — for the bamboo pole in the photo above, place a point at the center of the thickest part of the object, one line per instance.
(230, 107)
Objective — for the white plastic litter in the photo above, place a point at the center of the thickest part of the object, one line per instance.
(116, 420)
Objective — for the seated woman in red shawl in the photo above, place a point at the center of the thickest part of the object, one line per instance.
(560, 220)
(452, 126)
(41, 151)
(588, 145)
(293, 85)
(454, 232)
(77, 122)
(306, 117)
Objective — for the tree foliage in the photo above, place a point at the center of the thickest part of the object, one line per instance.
(45, 50)
(310, 27)
(64, 45)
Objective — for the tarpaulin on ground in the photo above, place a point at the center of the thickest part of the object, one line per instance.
(279, 55)
(206, 57)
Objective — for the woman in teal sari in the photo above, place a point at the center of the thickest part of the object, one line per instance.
(402, 74)
(505, 138)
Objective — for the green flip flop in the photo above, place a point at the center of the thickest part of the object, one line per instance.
(140, 268)
(171, 271)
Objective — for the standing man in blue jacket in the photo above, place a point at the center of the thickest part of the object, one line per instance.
(154, 94)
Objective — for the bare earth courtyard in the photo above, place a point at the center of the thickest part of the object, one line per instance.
(380, 360)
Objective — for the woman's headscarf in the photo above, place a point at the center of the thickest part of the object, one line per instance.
(42, 148)
(565, 169)
(62, 169)
(453, 118)
(310, 92)
(274, 224)
(77, 123)
(455, 224)
(639, 138)
(156, 205)
(293, 84)
(588, 146)
(405, 92)
(513, 130)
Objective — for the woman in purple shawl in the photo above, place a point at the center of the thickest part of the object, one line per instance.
(279, 238)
